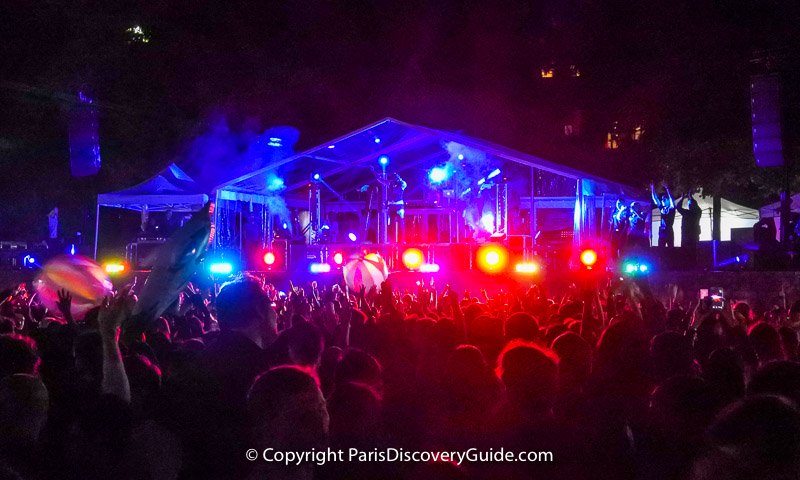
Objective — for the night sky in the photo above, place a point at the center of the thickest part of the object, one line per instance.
(678, 69)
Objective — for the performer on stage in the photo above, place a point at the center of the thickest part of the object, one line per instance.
(637, 232)
(619, 228)
(690, 223)
(666, 205)
(397, 213)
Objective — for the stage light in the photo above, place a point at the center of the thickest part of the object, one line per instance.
(114, 268)
(269, 258)
(285, 226)
(220, 268)
(588, 258)
(338, 258)
(438, 174)
(629, 268)
(482, 181)
(331, 147)
(494, 173)
(636, 267)
(316, 177)
(275, 183)
(275, 142)
(352, 237)
(461, 156)
(28, 261)
(429, 268)
(413, 258)
(319, 268)
(72, 249)
(487, 222)
(376, 139)
(526, 267)
(492, 258)
(383, 160)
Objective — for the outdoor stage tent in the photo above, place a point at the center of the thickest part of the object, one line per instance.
(345, 165)
(732, 216)
(170, 190)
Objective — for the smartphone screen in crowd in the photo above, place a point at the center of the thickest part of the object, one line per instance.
(717, 298)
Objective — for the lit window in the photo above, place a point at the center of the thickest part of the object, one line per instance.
(611, 141)
(136, 34)
(574, 71)
(548, 71)
(637, 133)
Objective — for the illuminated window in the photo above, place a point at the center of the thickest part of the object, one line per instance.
(574, 71)
(611, 141)
(136, 34)
(548, 72)
(637, 133)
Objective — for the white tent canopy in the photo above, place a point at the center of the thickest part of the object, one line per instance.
(733, 216)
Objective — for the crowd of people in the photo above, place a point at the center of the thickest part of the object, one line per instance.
(616, 382)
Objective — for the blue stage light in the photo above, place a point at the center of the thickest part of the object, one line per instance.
(319, 268)
(494, 173)
(316, 176)
(28, 260)
(376, 140)
(438, 174)
(383, 160)
(331, 146)
(223, 268)
(275, 183)
(72, 249)
(461, 156)
(352, 237)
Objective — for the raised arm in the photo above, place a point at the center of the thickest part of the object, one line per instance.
(669, 196)
(115, 380)
(653, 195)
(679, 206)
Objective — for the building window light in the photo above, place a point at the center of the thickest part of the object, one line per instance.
(136, 34)
(574, 71)
(638, 131)
(548, 72)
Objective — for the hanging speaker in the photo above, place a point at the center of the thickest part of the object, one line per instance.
(84, 137)
(765, 101)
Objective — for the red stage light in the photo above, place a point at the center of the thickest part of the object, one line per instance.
(492, 258)
(588, 258)
(338, 258)
(413, 258)
(526, 267)
(269, 258)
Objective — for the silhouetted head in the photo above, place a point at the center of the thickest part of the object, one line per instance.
(18, 354)
(357, 366)
(530, 374)
(305, 344)
(243, 305)
(575, 359)
(521, 326)
(766, 342)
(23, 409)
(670, 354)
(287, 410)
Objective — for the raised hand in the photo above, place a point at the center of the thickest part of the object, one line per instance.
(64, 303)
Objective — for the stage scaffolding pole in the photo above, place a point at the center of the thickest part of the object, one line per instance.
(96, 228)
